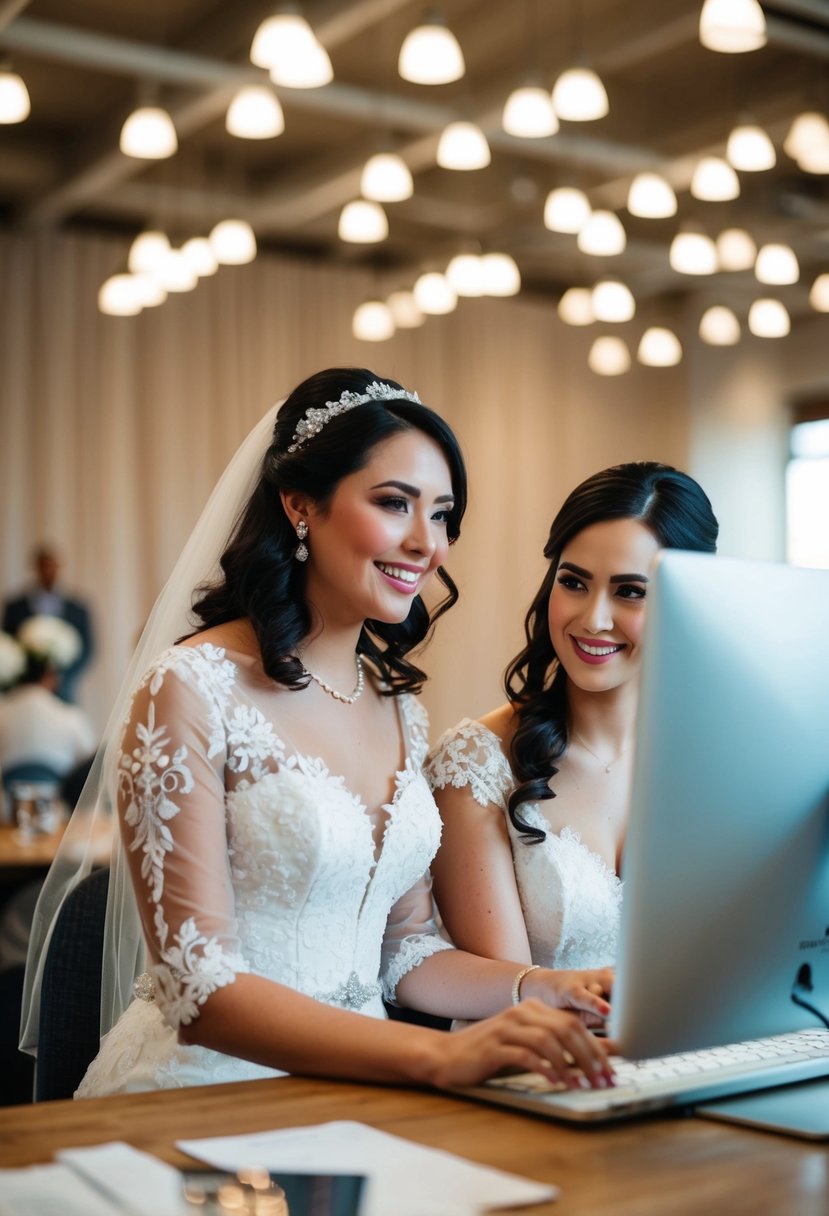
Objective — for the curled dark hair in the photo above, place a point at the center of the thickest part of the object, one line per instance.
(261, 579)
(677, 511)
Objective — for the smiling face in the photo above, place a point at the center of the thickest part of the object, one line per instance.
(596, 611)
(376, 543)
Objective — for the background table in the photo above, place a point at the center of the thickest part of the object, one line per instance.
(659, 1167)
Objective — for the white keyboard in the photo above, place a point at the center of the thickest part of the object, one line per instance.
(682, 1078)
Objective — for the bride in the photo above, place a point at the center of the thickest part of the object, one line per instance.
(270, 882)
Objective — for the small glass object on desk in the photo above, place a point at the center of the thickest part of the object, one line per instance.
(36, 809)
(246, 1193)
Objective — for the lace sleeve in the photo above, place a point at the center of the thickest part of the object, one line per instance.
(412, 935)
(172, 812)
(470, 755)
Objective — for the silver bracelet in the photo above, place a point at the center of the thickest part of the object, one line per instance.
(516, 983)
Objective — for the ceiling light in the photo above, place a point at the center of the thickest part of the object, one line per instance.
(233, 242)
(693, 253)
(603, 234)
(579, 95)
(466, 274)
(255, 113)
(609, 357)
(174, 272)
(430, 54)
(148, 134)
(501, 275)
(576, 306)
(434, 294)
(363, 223)
(750, 149)
(529, 113)
(463, 145)
(566, 210)
(149, 291)
(808, 131)
(386, 178)
(198, 253)
(714, 180)
(14, 97)
(719, 326)
(404, 310)
(147, 250)
(732, 26)
(286, 45)
(768, 319)
(776, 264)
(659, 348)
(373, 322)
(815, 159)
(651, 197)
(612, 301)
(819, 293)
(735, 250)
(119, 296)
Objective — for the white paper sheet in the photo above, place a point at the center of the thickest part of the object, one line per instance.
(136, 1182)
(50, 1190)
(404, 1178)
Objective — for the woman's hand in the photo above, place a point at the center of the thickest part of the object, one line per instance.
(530, 1037)
(585, 992)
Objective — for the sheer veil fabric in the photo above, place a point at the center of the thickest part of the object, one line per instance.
(123, 958)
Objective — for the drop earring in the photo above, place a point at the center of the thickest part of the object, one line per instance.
(301, 551)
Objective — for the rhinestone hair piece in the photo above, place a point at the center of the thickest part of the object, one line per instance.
(315, 418)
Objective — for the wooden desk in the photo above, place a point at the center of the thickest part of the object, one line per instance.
(664, 1167)
(37, 853)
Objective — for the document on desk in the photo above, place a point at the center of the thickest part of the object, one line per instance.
(109, 1180)
(401, 1176)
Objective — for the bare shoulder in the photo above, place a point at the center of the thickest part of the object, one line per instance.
(237, 636)
(502, 722)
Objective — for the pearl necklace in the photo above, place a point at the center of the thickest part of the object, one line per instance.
(341, 696)
(607, 765)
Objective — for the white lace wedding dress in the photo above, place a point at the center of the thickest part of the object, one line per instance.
(251, 857)
(571, 900)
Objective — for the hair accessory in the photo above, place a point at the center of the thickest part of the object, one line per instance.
(516, 983)
(316, 418)
(341, 696)
(301, 551)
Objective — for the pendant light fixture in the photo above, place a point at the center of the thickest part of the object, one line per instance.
(566, 210)
(719, 326)
(149, 291)
(659, 347)
(732, 26)
(373, 322)
(362, 222)
(819, 293)
(198, 253)
(465, 272)
(386, 178)
(714, 180)
(404, 310)
(174, 272)
(736, 250)
(463, 146)
(286, 45)
(255, 113)
(118, 296)
(434, 294)
(603, 235)
(693, 253)
(612, 301)
(776, 264)
(431, 54)
(579, 95)
(529, 113)
(501, 275)
(768, 319)
(15, 105)
(750, 149)
(233, 242)
(807, 132)
(651, 197)
(576, 306)
(609, 356)
(148, 134)
(147, 250)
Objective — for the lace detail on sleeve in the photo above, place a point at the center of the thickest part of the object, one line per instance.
(470, 755)
(171, 803)
(416, 721)
(410, 953)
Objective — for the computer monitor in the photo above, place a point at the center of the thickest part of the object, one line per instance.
(725, 925)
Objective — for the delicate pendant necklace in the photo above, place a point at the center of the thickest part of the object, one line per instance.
(607, 765)
(341, 696)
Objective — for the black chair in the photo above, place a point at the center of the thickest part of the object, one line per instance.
(70, 997)
(29, 771)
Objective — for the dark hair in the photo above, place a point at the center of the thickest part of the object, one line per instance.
(677, 511)
(261, 578)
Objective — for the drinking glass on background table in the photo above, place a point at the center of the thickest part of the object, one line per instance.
(36, 809)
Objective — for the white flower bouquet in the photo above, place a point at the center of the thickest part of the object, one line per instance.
(51, 640)
(12, 660)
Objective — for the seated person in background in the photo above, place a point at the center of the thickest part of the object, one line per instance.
(534, 796)
(36, 727)
(271, 877)
(47, 598)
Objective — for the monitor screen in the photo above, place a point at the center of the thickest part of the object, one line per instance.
(725, 924)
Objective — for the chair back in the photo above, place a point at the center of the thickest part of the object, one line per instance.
(30, 771)
(70, 997)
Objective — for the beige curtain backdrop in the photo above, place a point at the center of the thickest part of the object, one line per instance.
(115, 429)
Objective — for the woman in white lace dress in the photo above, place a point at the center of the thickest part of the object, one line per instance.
(534, 795)
(274, 816)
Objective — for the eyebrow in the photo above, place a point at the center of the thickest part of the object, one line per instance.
(615, 578)
(412, 491)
